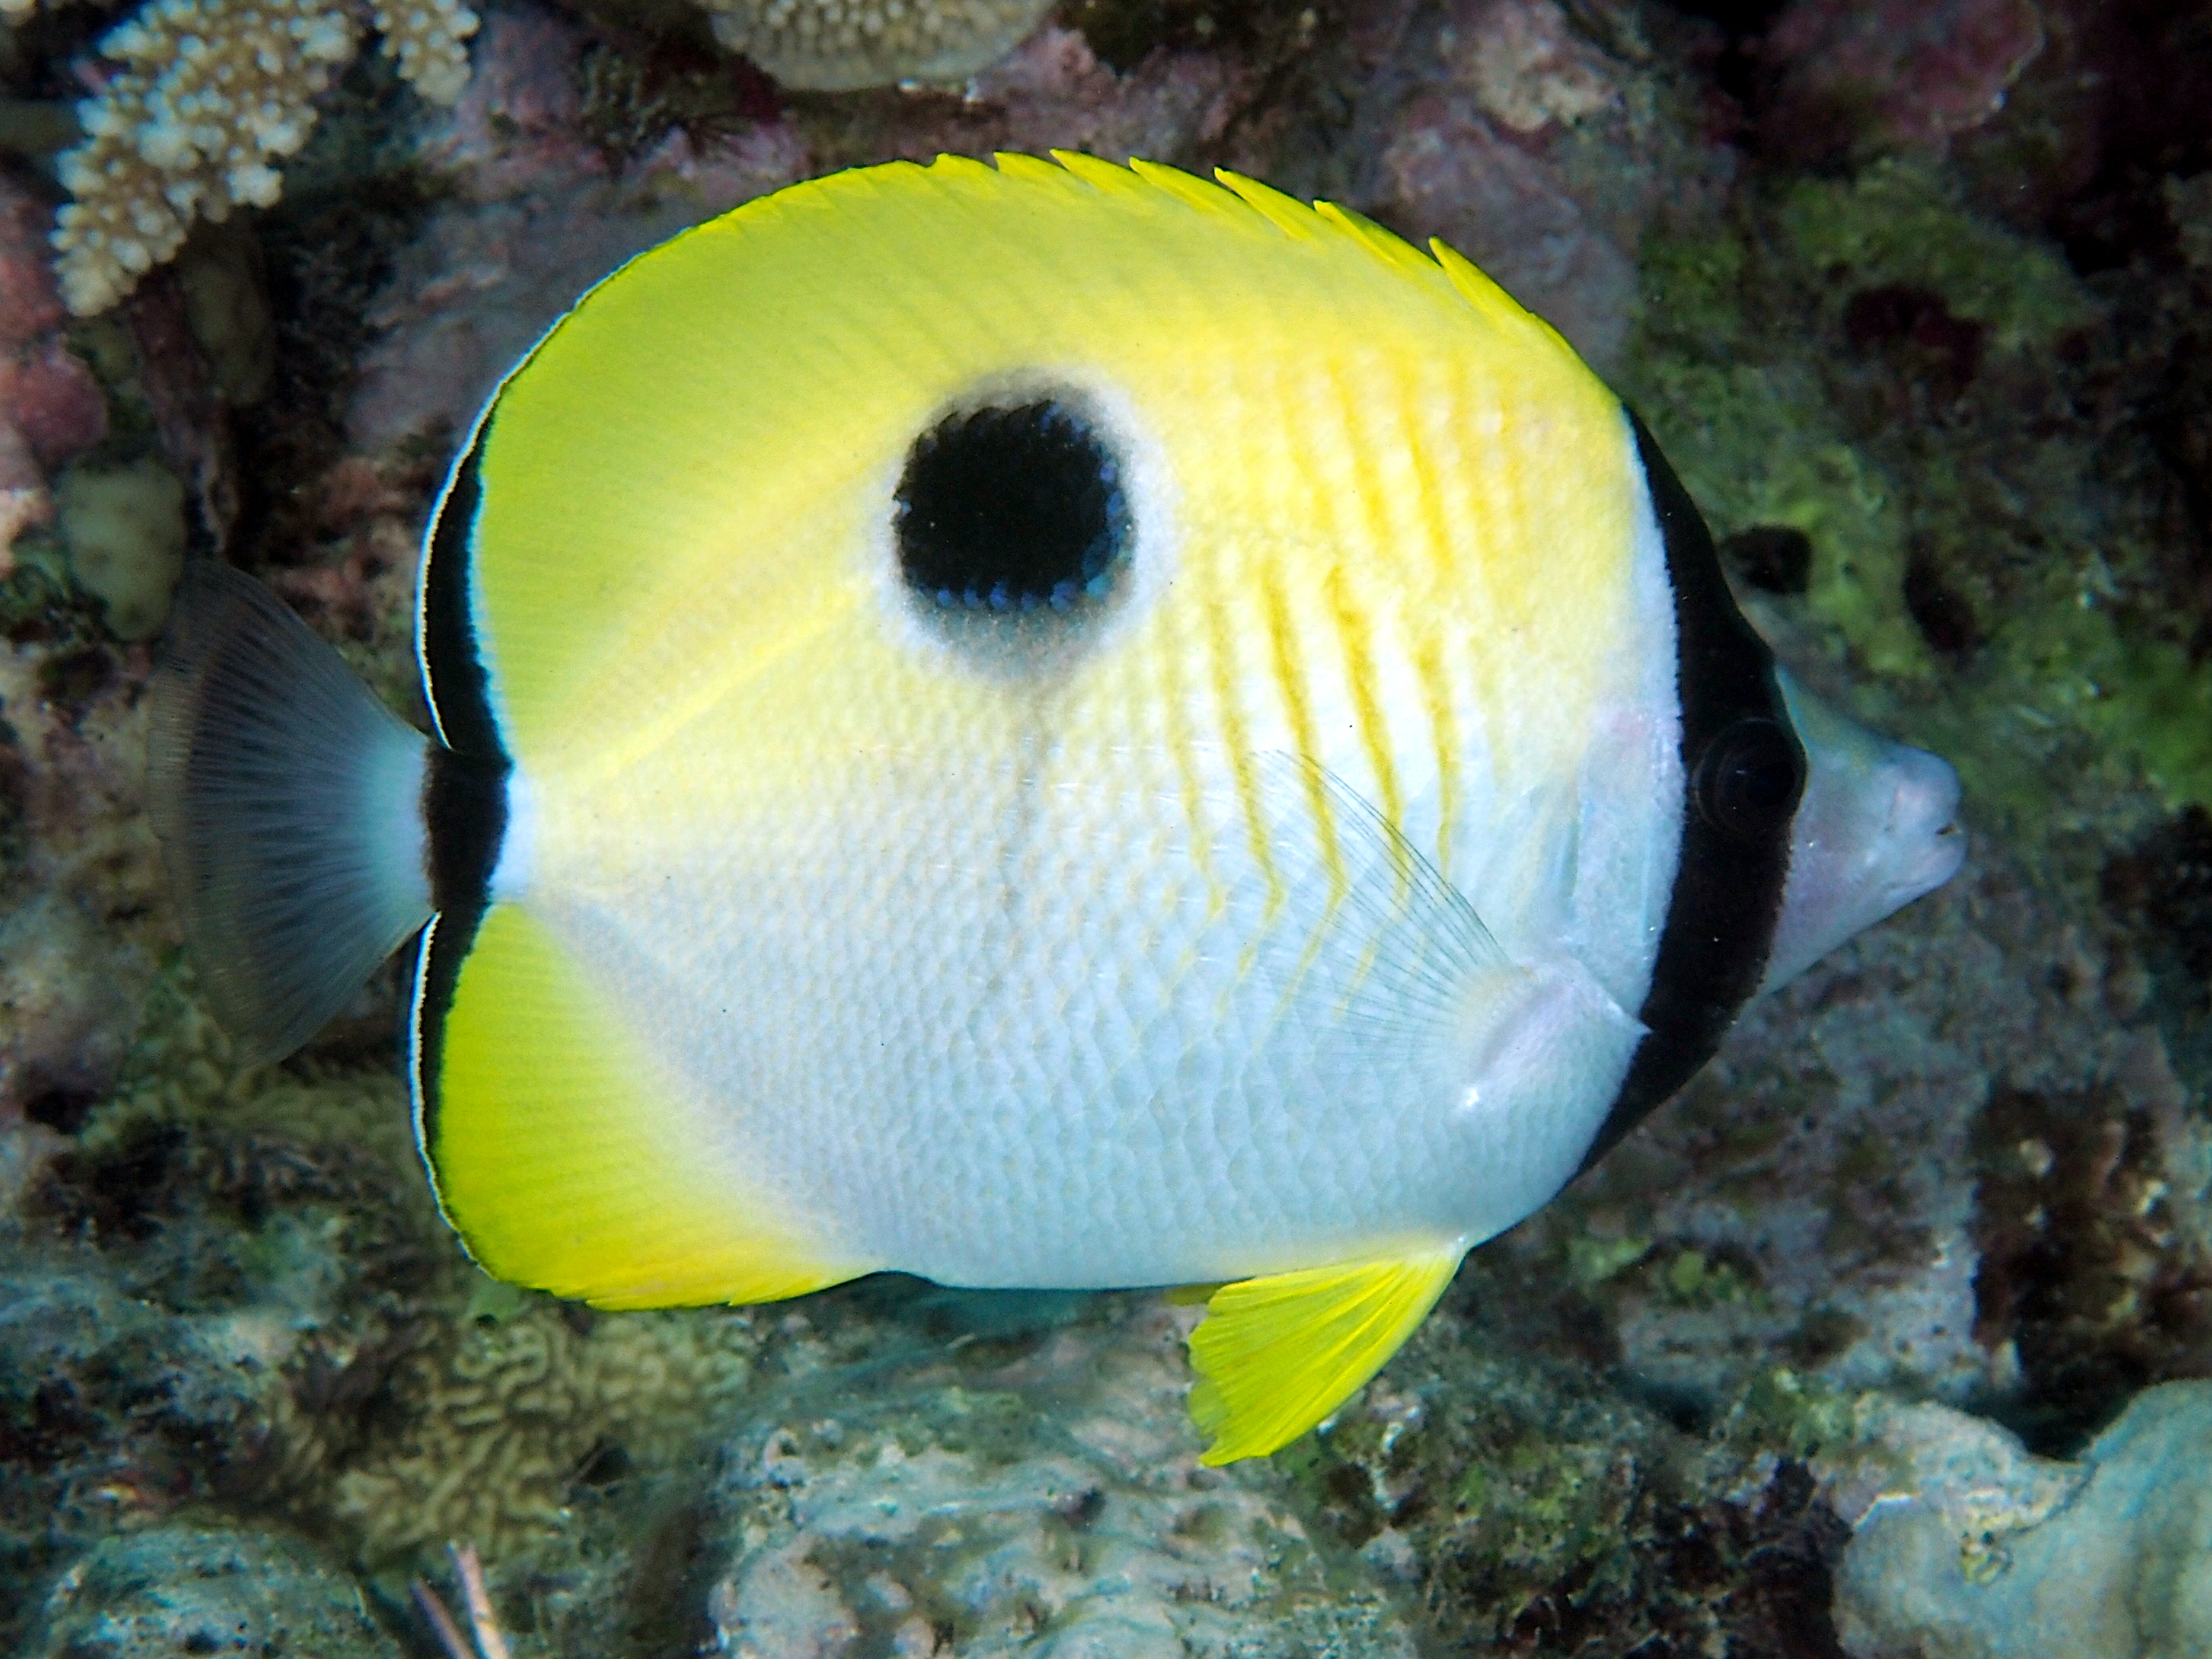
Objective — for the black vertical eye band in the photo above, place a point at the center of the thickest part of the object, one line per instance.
(1743, 771)
(1748, 780)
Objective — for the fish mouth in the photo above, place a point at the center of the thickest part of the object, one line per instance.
(1924, 815)
(1945, 855)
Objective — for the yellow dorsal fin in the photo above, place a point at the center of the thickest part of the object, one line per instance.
(1276, 1355)
(1109, 178)
(1192, 192)
(1476, 287)
(1031, 169)
(568, 1159)
(1286, 213)
(1386, 245)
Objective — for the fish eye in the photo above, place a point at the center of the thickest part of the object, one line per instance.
(1013, 507)
(1749, 779)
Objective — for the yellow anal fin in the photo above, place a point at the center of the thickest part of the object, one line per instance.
(569, 1159)
(1276, 1355)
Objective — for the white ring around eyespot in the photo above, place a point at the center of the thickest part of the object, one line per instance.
(1040, 640)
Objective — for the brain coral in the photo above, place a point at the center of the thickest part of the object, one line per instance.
(492, 1427)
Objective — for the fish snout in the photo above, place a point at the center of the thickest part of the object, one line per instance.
(1876, 827)
(1924, 838)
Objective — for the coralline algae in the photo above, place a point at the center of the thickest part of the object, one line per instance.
(1970, 1549)
(191, 1590)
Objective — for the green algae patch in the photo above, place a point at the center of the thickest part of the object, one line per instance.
(1754, 447)
(2067, 661)
(1800, 1415)
(1744, 411)
(1900, 222)
(1772, 362)
(1691, 1279)
(2148, 697)
(1591, 1259)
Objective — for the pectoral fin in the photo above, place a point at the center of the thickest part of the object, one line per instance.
(1276, 1355)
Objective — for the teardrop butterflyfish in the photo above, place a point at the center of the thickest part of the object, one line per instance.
(1037, 724)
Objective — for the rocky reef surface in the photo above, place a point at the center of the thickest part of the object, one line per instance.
(1878, 1341)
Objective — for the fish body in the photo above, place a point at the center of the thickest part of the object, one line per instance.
(1045, 725)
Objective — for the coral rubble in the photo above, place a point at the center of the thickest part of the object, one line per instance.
(1033, 1486)
(193, 1589)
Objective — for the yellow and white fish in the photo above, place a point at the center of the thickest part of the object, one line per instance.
(1050, 724)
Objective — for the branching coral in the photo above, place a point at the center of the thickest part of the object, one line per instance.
(210, 97)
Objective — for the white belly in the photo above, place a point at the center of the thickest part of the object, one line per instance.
(1015, 1033)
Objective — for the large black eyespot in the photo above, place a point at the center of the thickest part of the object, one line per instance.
(1011, 507)
(1749, 778)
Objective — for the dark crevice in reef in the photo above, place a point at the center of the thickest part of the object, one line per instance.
(352, 199)
(1741, 24)
(2089, 1267)
(2148, 86)
(2162, 891)
(2166, 882)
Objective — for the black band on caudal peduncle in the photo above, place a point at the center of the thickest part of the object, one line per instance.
(465, 799)
(452, 659)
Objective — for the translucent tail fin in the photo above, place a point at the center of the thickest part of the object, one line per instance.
(288, 803)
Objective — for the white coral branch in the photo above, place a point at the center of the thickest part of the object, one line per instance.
(210, 97)
(490, 1640)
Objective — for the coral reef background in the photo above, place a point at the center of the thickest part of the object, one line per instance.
(1887, 1338)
